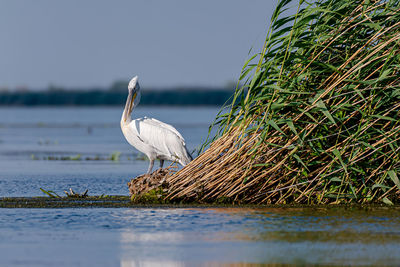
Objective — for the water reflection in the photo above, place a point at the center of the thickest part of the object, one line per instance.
(199, 236)
(229, 237)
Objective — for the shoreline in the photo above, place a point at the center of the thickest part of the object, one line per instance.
(118, 201)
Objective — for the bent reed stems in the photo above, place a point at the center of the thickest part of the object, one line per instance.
(318, 117)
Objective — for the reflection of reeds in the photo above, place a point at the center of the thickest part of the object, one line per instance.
(317, 120)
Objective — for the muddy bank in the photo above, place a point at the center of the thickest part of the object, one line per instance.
(124, 202)
(154, 188)
(96, 202)
(68, 202)
(157, 187)
(64, 202)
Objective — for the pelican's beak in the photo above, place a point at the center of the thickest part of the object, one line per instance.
(131, 104)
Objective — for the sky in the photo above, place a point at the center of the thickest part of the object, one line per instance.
(93, 43)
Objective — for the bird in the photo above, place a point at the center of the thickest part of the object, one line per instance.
(156, 139)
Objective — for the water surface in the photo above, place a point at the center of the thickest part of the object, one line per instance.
(199, 236)
(157, 236)
(31, 136)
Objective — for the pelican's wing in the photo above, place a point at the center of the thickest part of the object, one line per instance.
(163, 138)
(166, 126)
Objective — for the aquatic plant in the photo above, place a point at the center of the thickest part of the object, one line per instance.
(50, 193)
(115, 156)
(318, 117)
(77, 157)
(70, 194)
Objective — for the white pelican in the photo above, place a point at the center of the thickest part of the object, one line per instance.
(152, 137)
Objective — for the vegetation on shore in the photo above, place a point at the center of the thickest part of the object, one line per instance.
(318, 117)
(176, 97)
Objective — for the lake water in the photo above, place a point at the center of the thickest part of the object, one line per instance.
(30, 136)
(157, 236)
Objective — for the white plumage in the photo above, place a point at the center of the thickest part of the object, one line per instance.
(156, 139)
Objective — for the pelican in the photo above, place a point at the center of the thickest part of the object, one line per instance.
(156, 139)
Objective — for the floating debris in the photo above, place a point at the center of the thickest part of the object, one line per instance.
(73, 194)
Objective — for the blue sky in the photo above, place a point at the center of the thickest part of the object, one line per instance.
(92, 43)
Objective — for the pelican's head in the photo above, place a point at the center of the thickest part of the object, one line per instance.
(134, 84)
(134, 90)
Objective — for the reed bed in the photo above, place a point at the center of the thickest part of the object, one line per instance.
(318, 117)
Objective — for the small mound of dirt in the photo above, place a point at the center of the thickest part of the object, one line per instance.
(147, 182)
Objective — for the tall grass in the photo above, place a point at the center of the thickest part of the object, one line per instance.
(318, 117)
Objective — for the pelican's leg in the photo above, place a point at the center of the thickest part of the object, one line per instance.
(161, 163)
(150, 166)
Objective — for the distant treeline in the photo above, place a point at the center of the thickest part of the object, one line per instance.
(197, 96)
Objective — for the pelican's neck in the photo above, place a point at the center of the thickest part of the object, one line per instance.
(126, 115)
